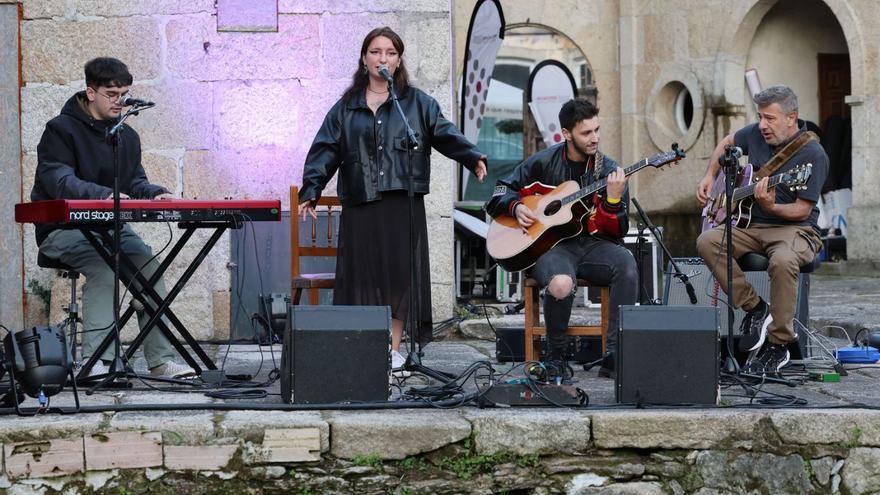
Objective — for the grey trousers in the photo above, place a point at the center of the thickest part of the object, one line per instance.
(72, 249)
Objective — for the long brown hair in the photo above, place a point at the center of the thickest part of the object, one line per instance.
(361, 78)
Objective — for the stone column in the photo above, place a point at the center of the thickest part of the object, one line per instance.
(10, 170)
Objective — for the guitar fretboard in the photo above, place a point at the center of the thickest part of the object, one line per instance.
(741, 193)
(601, 183)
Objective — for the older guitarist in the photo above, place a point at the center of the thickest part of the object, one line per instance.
(783, 225)
(596, 254)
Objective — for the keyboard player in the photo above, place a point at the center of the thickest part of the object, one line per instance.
(76, 162)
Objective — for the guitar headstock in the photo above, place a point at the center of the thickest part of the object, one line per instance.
(672, 156)
(796, 178)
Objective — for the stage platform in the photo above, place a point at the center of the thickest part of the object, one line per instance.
(818, 438)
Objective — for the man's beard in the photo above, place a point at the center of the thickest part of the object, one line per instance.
(583, 150)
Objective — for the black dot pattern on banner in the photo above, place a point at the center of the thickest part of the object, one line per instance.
(552, 127)
(479, 122)
(471, 78)
(471, 114)
(474, 100)
(476, 64)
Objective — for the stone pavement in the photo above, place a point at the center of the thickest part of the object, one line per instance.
(828, 444)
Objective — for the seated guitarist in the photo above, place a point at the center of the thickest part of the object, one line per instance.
(783, 226)
(596, 254)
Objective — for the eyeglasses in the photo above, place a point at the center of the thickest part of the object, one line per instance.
(113, 97)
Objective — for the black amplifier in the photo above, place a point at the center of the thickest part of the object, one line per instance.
(667, 355)
(334, 354)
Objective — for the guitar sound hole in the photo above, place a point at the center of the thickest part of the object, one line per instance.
(552, 208)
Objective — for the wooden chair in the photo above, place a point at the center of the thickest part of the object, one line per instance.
(534, 329)
(311, 247)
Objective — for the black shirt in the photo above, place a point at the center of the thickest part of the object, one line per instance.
(751, 141)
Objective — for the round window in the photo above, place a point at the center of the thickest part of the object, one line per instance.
(684, 110)
(675, 112)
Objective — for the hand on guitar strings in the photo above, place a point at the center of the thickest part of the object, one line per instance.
(764, 197)
(616, 184)
(525, 216)
(704, 188)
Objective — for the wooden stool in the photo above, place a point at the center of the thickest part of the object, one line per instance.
(534, 329)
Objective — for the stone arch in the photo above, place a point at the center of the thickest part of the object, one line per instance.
(728, 88)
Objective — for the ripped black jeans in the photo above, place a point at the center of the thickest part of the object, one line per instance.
(603, 263)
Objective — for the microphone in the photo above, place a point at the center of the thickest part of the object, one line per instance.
(735, 151)
(128, 101)
(692, 295)
(385, 73)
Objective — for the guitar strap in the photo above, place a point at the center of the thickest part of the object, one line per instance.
(785, 154)
(598, 165)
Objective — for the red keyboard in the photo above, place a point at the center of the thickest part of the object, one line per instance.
(100, 211)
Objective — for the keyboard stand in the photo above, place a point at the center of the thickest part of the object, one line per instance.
(146, 293)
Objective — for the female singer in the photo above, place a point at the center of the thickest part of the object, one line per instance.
(364, 139)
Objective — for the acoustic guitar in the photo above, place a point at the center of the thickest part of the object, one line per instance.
(741, 212)
(561, 215)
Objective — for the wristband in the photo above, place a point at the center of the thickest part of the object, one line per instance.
(612, 201)
(512, 210)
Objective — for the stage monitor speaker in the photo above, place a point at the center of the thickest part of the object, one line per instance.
(334, 354)
(667, 355)
(709, 293)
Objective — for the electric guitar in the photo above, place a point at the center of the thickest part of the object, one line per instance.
(715, 210)
(561, 214)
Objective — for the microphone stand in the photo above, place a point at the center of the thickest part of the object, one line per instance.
(729, 165)
(679, 274)
(640, 256)
(118, 370)
(413, 324)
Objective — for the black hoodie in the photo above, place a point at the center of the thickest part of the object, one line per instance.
(76, 162)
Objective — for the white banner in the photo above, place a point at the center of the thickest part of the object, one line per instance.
(550, 86)
(485, 34)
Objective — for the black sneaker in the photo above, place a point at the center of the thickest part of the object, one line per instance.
(607, 368)
(770, 360)
(754, 327)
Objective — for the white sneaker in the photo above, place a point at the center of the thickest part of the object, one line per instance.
(173, 370)
(397, 362)
(98, 369)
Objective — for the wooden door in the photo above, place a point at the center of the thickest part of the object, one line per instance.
(834, 85)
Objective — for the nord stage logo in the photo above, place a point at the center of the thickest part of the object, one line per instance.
(97, 216)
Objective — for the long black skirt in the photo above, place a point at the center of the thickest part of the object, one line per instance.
(373, 264)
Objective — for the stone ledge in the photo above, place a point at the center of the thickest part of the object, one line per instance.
(856, 427)
(255, 428)
(44, 459)
(123, 450)
(394, 434)
(198, 457)
(669, 429)
(286, 445)
(527, 431)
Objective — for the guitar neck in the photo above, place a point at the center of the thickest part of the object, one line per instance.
(602, 183)
(741, 193)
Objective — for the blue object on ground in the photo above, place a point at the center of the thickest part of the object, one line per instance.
(863, 354)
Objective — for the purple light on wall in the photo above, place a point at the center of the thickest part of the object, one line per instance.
(247, 15)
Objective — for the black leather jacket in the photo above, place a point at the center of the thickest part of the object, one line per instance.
(550, 168)
(369, 152)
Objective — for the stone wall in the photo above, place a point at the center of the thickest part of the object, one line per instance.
(462, 451)
(10, 169)
(236, 112)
